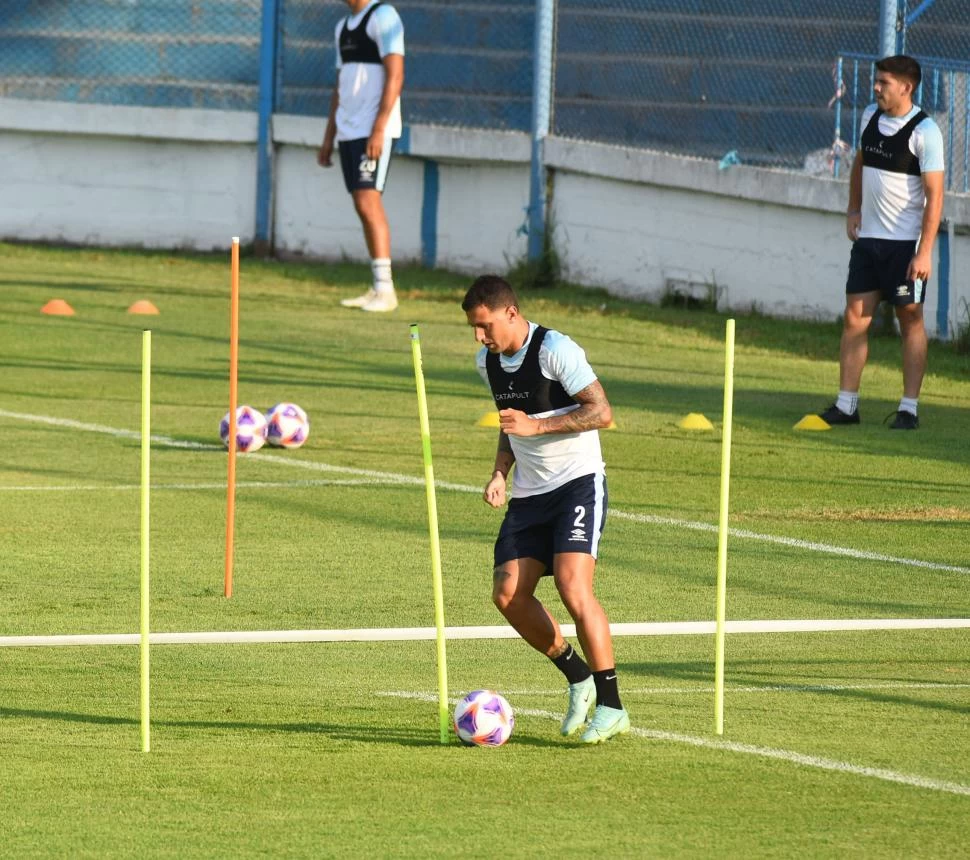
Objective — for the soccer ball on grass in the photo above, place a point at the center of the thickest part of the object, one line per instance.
(484, 719)
(287, 426)
(250, 429)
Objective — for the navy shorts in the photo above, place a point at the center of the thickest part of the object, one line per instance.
(568, 519)
(880, 266)
(360, 172)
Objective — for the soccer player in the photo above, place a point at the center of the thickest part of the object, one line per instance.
(364, 120)
(551, 407)
(895, 204)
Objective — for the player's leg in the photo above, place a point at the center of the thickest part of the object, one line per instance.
(373, 218)
(913, 332)
(581, 516)
(854, 345)
(908, 297)
(861, 300)
(574, 581)
(573, 573)
(365, 179)
(513, 593)
(524, 539)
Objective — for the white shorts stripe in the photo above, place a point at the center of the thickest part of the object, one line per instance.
(383, 164)
(598, 513)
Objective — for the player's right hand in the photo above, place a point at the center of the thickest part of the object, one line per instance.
(325, 155)
(853, 223)
(494, 494)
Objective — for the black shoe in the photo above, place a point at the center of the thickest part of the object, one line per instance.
(834, 415)
(904, 420)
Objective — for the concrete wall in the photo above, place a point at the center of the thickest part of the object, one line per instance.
(634, 222)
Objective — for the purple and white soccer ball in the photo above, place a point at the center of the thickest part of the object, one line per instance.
(484, 719)
(250, 429)
(287, 426)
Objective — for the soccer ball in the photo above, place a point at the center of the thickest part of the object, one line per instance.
(484, 719)
(287, 426)
(250, 429)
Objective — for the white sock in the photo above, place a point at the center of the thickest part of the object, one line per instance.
(908, 404)
(848, 401)
(381, 269)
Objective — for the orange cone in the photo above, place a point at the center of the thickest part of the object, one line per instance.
(143, 307)
(58, 307)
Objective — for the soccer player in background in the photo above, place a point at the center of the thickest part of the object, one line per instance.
(895, 204)
(364, 120)
(551, 407)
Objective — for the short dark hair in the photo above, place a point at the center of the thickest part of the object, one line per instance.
(901, 66)
(491, 291)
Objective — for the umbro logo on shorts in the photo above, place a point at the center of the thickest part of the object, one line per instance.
(578, 535)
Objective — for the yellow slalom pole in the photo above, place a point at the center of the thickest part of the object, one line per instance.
(439, 598)
(233, 398)
(722, 527)
(146, 400)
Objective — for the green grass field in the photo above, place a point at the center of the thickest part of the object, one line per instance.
(835, 743)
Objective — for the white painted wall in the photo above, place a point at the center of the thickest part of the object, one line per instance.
(785, 261)
(625, 219)
(314, 214)
(484, 189)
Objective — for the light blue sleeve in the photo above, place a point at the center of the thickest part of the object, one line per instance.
(336, 40)
(386, 28)
(566, 362)
(931, 156)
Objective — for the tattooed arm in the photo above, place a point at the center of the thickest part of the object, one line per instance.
(594, 413)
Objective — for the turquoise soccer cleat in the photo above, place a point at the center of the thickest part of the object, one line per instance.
(606, 722)
(582, 699)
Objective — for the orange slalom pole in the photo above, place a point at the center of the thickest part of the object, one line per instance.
(233, 377)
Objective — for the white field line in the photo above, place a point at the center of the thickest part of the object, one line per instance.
(395, 478)
(790, 756)
(399, 634)
(813, 546)
(762, 688)
(247, 485)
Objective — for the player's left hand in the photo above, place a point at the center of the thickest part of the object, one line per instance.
(375, 145)
(514, 422)
(920, 267)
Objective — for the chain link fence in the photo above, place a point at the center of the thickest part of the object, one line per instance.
(750, 81)
(468, 63)
(152, 53)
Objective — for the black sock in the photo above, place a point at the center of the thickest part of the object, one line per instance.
(607, 693)
(571, 665)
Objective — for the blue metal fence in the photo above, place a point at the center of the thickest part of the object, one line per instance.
(944, 94)
(697, 77)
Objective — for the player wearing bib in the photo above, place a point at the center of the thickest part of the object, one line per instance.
(895, 204)
(364, 121)
(551, 406)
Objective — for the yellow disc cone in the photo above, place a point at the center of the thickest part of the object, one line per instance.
(813, 422)
(489, 419)
(694, 421)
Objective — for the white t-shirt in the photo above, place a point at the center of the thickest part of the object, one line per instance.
(361, 85)
(892, 203)
(544, 463)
